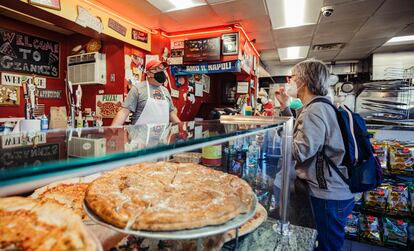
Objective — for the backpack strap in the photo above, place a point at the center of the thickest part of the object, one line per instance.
(335, 168)
(331, 164)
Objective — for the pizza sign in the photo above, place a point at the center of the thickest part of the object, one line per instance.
(108, 105)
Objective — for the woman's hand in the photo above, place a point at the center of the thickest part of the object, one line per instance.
(282, 97)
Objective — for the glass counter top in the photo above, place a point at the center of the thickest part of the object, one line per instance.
(25, 155)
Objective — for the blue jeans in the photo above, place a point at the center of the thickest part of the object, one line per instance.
(330, 217)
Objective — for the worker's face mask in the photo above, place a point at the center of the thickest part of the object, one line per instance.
(264, 100)
(160, 77)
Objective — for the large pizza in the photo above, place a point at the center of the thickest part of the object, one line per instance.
(168, 196)
(68, 193)
(27, 224)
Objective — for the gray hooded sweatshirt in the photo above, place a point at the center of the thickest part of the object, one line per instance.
(317, 127)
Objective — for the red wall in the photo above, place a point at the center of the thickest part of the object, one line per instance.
(51, 83)
(203, 105)
(114, 51)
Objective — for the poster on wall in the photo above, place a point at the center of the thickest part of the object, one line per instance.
(176, 57)
(11, 79)
(198, 89)
(9, 95)
(87, 19)
(50, 94)
(138, 35)
(202, 49)
(28, 54)
(151, 57)
(116, 26)
(51, 4)
(134, 66)
(230, 44)
(17, 80)
(206, 83)
(108, 105)
(175, 93)
(177, 44)
(242, 87)
(191, 89)
(247, 58)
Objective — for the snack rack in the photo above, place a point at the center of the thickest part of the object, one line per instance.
(385, 215)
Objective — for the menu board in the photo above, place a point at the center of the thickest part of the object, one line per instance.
(206, 49)
(28, 54)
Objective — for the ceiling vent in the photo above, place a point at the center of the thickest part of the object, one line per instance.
(328, 47)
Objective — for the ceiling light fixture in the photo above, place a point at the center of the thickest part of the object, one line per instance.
(292, 53)
(247, 38)
(182, 4)
(118, 16)
(400, 40)
(173, 5)
(293, 13)
(227, 29)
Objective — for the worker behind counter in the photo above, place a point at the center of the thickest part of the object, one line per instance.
(149, 101)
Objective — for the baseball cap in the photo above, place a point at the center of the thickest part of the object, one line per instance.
(154, 63)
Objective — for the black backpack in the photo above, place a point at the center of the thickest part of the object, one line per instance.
(364, 169)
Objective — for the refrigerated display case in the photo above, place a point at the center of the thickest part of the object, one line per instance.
(255, 149)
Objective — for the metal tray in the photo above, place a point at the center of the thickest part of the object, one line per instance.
(181, 234)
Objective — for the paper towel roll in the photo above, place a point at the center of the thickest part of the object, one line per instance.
(30, 125)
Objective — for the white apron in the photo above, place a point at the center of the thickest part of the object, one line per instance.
(156, 111)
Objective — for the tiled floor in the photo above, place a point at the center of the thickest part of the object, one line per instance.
(357, 246)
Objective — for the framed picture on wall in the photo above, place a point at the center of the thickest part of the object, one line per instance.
(9, 95)
(230, 44)
(51, 4)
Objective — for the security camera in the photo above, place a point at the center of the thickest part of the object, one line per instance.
(327, 11)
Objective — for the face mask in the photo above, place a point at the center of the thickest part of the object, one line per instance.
(259, 100)
(160, 77)
(296, 104)
(264, 100)
(292, 89)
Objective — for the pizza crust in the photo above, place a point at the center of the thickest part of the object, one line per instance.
(248, 227)
(32, 225)
(69, 193)
(166, 196)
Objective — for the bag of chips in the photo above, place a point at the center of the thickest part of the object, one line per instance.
(352, 225)
(377, 199)
(395, 232)
(381, 151)
(401, 157)
(370, 229)
(411, 191)
(411, 233)
(358, 199)
(398, 200)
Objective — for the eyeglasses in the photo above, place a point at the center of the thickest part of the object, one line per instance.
(288, 78)
(157, 69)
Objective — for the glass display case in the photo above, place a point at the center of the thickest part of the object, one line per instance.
(255, 149)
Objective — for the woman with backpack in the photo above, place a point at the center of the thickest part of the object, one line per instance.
(317, 138)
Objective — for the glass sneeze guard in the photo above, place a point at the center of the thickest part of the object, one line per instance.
(31, 159)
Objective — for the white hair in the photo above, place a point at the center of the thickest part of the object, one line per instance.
(314, 73)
